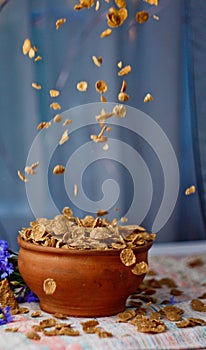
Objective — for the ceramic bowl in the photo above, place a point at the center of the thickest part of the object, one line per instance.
(82, 283)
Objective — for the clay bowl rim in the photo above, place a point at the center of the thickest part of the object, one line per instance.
(39, 248)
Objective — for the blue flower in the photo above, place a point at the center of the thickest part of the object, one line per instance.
(5, 315)
(6, 267)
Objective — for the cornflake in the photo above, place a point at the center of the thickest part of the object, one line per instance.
(82, 86)
(152, 2)
(120, 3)
(49, 286)
(124, 86)
(126, 315)
(64, 138)
(43, 125)
(57, 118)
(156, 17)
(55, 105)
(119, 111)
(127, 257)
(36, 86)
(59, 22)
(97, 61)
(54, 93)
(106, 32)
(67, 122)
(101, 86)
(198, 305)
(31, 53)
(38, 58)
(119, 64)
(142, 16)
(148, 97)
(140, 268)
(123, 96)
(58, 170)
(103, 99)
(125, 70)
(22, 176)
(31, 169)
(115, 17)
(105, 147)
(97, 5)
(84, 4)
(76, 190)
(33, 335)
(26, 46)
(190, 190)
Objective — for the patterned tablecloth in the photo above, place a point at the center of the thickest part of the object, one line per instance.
(190, 279)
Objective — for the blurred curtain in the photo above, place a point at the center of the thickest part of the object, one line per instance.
(167, 58)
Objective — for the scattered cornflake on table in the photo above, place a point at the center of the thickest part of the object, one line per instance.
(57, 118)
(190, 190)
(54, 93)
(59, 22)
(116, 17)
(126, 315)
(152, 2)
(125, 70)
(43, 125)
(148, 97)
(142, 16)
(55, 105)
(58, 169)
(13, 329)
(106, 33)
(64, 138)
(82, 86)
(36, 86)
(35, 314)
(26, 46)
(198, 305)
(76, 190)
(97, 60)
(33, 335)
(22, 176)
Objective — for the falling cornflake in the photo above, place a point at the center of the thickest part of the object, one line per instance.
(57, 118)
(26, 46)
(36, 86)
(43, 125)
(55, 105)
(54, 93)
(125, 70)
(76, 190)
(82, 86)
(30, 169)
(106, 33)
(190, 190)
(22, 176)
(97, 61)
(58, 170)
(59, 22)
(64, 138)
(148, 97)
(152, 2)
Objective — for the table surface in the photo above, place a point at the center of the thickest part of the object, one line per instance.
(166, 260)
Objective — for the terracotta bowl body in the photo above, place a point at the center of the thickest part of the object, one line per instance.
(88, 283)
